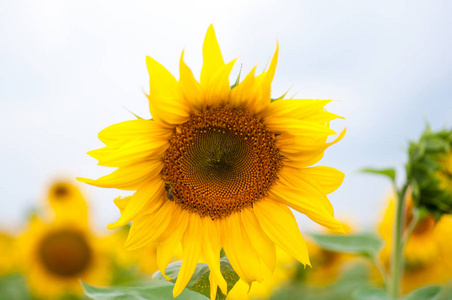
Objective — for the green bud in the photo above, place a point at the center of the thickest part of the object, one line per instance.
(429, 171)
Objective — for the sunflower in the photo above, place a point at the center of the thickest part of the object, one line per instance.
(66, 201)
(218, 167)
(427, 251)
(57, 255)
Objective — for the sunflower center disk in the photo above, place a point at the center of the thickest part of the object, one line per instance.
(220, 161)
(65, 253)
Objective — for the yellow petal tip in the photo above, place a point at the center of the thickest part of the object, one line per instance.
(85, 180)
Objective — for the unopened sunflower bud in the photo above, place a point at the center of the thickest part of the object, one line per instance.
(429, 171)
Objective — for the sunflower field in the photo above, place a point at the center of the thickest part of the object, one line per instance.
(318, 165)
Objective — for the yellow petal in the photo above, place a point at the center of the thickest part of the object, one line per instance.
(263, 245)
(150, 227)
(131, 151)
(165, 96)
(218, 87)
(100, 153)
(166, 249)
(213, 287)
(190, 86)
(211, 249)
(122, 202)
(327, 178)
(128, 177)
(191, 246)
(133, 129)
(297, 127)
(295, 144)
(301, 109)
(147, 198)
(239, 250)
(264, 81)
(316, 207)
(245, 93)
(280, 225)
(298, 157)
(212, 58)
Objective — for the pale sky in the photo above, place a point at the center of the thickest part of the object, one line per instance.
(67, 69)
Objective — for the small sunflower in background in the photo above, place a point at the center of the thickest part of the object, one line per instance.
(65, 200)
(219, 166)
(427, 250)
(57, 255)
(8, 255)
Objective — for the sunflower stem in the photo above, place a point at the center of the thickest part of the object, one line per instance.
(398, 244)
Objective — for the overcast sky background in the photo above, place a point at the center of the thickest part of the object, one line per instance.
(67, 69)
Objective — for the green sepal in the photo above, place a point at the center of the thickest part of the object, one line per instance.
(237, 81)
(366, 244)
(154, 289)
(199, 282)
(390, 173)
(280, 97)
(136, 116)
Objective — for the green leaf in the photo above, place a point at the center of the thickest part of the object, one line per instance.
(386, 172)
(363, 243)
(155, 289)
(14, 287)
(371, 293)
(354, 276)
(431, 292)
(199, 282)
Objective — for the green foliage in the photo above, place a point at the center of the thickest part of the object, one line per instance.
(391, 173)
(431, 292)
(199, 282)
(355, 277)
(371, 293)
(424, 164)
(14, 287)
(367, 244)
(155, 289)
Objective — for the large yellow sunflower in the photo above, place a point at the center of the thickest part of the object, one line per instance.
(57, 255)
(427, 251)
(219, 167)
